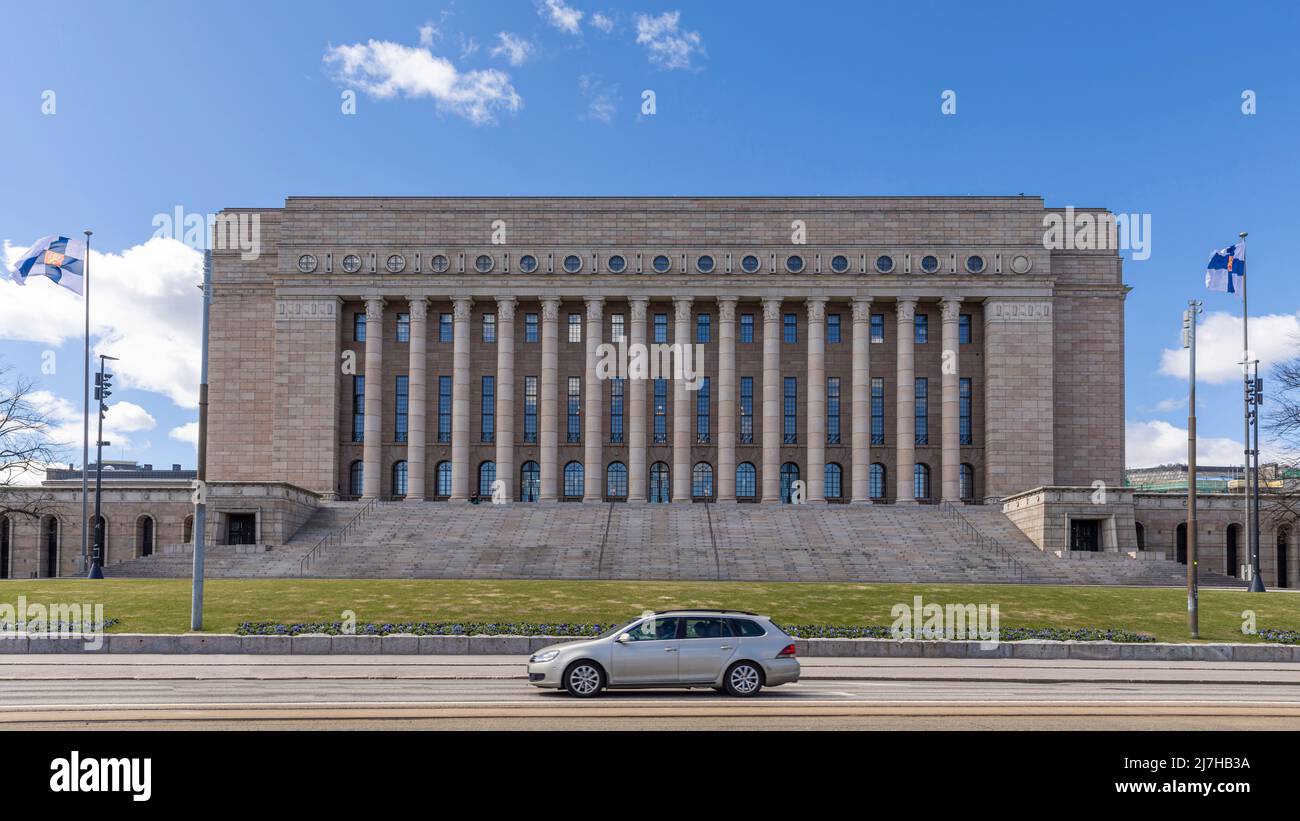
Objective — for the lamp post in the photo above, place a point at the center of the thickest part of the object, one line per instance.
(1255, 396)
(102, 392)
(1193, 568)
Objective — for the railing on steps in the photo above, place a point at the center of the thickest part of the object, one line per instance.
(985, 542)
(337, 537)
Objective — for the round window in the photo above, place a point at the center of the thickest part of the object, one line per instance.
(929, 263)
(352, 263)
(306, 263)
(483, 263)
(749, 263)
(573, 263)
(974, 264)
(396, 263)
(794, 264)
(704, 264)
(839, 263)
(439, 264)
(884, 263)
(617, 264)
(662, 264)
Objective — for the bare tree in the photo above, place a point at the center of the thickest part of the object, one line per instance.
(1282, 423)
(25, 446)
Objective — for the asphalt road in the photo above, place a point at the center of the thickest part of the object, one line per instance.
(489, 692)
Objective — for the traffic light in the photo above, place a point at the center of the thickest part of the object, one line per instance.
(1259, 390)
(102, 385)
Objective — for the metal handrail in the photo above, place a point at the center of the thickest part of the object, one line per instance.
(336, 536)
(985, 542)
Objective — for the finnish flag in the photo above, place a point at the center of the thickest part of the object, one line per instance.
(1227, 268)
(59, 258)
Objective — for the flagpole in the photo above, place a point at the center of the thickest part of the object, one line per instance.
(85, 412)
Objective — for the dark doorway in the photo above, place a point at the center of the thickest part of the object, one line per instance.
(146, 536)
(1283, 539)
(1182, 543)
(1085, 534)
(242, 528)
(4, 547)
(1231, 549)
(51, 547)
(1141, 536)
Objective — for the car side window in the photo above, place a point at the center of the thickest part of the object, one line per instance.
(655, 630)
(706, 629)
(748, 629)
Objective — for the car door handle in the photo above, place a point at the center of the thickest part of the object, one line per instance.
(670, 649)
(725, 647)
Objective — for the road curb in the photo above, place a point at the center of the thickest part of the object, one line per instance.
(230, 644)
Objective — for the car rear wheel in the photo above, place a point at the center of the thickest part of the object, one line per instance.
(744, 679)
(584, 679)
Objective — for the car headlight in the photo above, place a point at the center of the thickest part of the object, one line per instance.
(542, 658)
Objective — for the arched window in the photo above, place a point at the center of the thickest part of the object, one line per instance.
(442, 480)
(144, 527)
(573, 479)
(530, 481)
(1141, 535)
(4, 546)
(399, 477)
(50, 545)
(921, 481)
(660, 491)
(746, 481)
(487, 476)
(187, 530)
(702, 481)
(789, 475)
(355, 475)
(1232, 538)
(834, 488)
(876, 482)
(616, 480)
(1283, 545)
(1180, 546)
(966, 482)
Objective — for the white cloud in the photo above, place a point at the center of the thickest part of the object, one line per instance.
(385, 70)
(669, 46)
(1273, 338)
(1149, 444)
(145, 309)
(515, 49)
(565, 18)
(468, 46)
(188, 432)
(602, 22)
(121, 419)
(600, 98)
(428, 35)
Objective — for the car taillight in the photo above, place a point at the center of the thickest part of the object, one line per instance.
(787, 653)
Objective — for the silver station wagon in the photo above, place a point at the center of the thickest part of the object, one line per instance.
(728, 650)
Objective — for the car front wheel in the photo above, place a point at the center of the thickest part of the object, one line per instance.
(584, 679)
(744, 679)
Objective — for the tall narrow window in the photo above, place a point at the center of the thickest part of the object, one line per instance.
(359, 326)
(833, 484)
(530, 327)
(832, 410)
(746, 410)
(358, 408)
(964, 404)
(746, 328)
(661, 328)
(702, 412)
(444, 408)
(790, 328)
(790, 429)
(530, 409)
(922, 411)
(401, 407)
(876, 482)
(575, 409)
(921, 326)
(963, 329)
(966, 482)
(921, 481)
(832, 329)
(616, 410)
(746, 481)
(403, 327)
(488, 413)
(703, 328)
(575, 327)
(661, 411)
(877, 327)
(877, 410)
(616, 328)
(399, 478)
(444, 327)
(489, 328)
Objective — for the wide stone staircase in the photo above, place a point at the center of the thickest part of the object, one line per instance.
(810, 543)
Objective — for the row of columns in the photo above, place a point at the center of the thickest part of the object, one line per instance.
(635, 400)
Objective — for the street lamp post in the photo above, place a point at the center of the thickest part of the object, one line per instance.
(102, 392)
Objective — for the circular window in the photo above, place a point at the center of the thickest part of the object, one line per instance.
(749, 263)
(528, 263)
(439, 263)
(396, 263)
(352, 263)
(794, 264)
(617, 264)
(839, 263)
(884, 263)
(974, 264)
(1021, 264)
(662, 264)
(483, 263)
(573, 263)
(704, 264)
(929, 263)
(306, 263)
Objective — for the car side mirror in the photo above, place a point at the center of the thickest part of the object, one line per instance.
(625, 638)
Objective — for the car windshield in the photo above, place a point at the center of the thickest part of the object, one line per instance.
(618, 628)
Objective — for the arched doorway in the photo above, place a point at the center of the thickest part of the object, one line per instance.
(4, 547)
(1283, 545)
(659, 485)
(50, 540)
(530, 481)
(789, 475)
(187, 531)
(1230, 549)
(144, 536)
(1180, 547)
(1141, 535)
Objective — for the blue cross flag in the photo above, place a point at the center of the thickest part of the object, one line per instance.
(1227, 268)
(59, 258)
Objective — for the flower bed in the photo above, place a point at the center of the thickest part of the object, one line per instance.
(1280, 636)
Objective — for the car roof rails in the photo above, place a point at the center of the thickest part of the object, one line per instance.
(704, 610)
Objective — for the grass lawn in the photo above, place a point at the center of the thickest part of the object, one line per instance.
(163, 605)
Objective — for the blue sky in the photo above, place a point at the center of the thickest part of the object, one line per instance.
(1120, 105)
